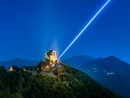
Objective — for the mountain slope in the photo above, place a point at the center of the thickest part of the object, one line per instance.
(110, 63)
(111, 72)
(71, 83)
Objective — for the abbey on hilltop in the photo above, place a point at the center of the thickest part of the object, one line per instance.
(51, 65)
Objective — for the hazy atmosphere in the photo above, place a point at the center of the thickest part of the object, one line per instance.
(29, 28)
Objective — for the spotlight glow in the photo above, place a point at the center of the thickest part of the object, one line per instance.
(84, 28)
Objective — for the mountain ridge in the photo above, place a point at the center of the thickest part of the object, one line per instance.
(19, 62)
(111, 72)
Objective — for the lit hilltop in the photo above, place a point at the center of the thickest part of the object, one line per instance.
(51, 65)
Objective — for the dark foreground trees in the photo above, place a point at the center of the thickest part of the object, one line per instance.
(71, 83)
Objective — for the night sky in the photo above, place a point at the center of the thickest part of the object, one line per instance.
(29, 28)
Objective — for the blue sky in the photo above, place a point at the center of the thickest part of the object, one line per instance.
(29, 28)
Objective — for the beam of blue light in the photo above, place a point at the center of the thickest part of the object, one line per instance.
(84, 28)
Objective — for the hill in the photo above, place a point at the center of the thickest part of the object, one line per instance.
(71, 83)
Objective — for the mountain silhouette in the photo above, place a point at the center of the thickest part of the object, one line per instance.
(78, 61)
(111, 72)
(19, 62)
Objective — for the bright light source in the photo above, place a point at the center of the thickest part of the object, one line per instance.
(47, 66)
(84, 28)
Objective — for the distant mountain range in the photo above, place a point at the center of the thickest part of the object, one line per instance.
(78, 61)
(111, 72)
(18, 62)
